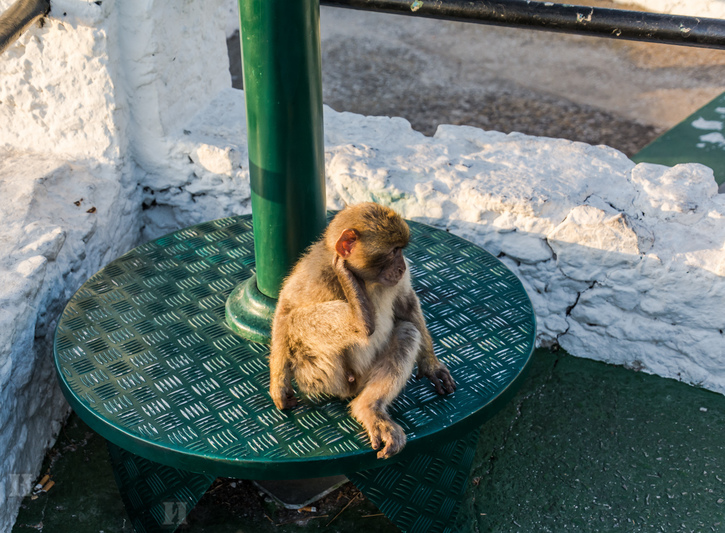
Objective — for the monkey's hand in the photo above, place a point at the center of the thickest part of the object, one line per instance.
(390, 433)
(438, 374)
(283, 396)
(355, 293)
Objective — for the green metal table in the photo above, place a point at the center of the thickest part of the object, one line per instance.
(144, 357)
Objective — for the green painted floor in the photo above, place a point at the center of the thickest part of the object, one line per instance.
(687, 142)
(583, 447)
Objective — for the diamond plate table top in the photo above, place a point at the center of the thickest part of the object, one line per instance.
(144, 356)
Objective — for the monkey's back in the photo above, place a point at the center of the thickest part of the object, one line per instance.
(308, 284)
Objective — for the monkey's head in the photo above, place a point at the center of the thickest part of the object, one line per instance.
(371, 238)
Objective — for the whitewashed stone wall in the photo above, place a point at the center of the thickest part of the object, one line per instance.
(91, 104)
(55, 234)
(57, 93)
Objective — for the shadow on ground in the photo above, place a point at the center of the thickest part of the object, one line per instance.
(584, 446)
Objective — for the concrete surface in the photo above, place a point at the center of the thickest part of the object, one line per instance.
(589, 89)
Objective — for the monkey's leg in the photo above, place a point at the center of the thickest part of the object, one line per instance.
(280, 371)
(319, 337)
(391, 370)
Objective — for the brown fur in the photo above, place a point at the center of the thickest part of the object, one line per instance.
(349, 324)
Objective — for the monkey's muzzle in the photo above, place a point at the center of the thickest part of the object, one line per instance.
(391, 276)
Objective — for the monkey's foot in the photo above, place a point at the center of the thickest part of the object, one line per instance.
(390, 433)
(440, 377)
(283, 397)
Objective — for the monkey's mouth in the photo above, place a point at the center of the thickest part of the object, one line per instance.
(391, 279)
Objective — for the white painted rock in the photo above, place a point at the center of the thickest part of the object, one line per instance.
(92, 105)
(61, 223)
(591, 241)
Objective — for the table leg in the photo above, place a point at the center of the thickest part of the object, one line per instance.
(422, 494)
(157, 497)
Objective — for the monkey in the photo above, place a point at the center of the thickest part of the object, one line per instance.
(349, 324)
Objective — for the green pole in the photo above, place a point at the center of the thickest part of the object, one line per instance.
(283, 89)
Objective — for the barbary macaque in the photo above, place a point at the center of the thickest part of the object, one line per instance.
(349, 324)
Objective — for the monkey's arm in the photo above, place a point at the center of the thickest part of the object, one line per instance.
(355, 294)
(407, 307)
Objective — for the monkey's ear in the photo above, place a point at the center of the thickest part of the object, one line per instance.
(346, 242)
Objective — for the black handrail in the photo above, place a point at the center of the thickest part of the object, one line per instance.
(584, 20)
(18, 18)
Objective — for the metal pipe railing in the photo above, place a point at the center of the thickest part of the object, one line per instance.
(18, 18)
(583, 20)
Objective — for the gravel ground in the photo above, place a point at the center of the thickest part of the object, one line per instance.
(599, 91)
(364, 86)
(501, 105)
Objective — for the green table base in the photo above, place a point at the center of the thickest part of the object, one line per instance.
(144, 356)
(157, 498)
(419, 495)
(422, 494)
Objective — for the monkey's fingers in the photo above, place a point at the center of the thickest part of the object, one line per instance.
(394, 438)
(430, 374)
(449, 385)
(290, 400)
(433, 377)
(284, 398)
(388, 451)
(375, 439)
(442, 380)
